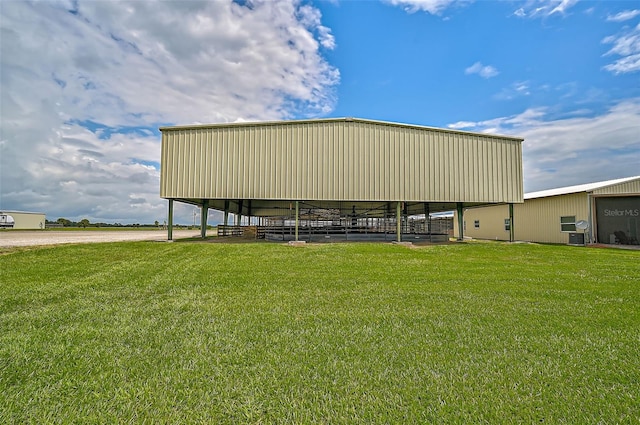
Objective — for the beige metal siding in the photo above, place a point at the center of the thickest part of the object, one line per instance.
(491, 223)
(537, 220)
(630, 187)
(339, 160)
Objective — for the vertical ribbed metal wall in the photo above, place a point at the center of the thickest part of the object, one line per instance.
(353, 160)
(537, 220)
(631, 187)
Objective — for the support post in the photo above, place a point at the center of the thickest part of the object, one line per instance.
(399, 221)
(226, 212)
(427, 220)
(239, 216)
(511, 228)
(204, 213)
(384, 222)
(460, 221)
(297, 221)
(170, 221)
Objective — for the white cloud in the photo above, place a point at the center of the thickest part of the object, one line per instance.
(434, 7)
(563, 6)
(579, 149)
(485, 71)
(517, 89)
(461, 125)
(544, 8)
(630, 63)
(311, 17)
(623, 16)
(626, 44)
(123, 65)
(522, 87)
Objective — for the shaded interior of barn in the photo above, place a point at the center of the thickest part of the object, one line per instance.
(317, 221)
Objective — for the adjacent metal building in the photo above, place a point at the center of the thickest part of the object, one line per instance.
(603, 212)
(355, 167)
(21, 220)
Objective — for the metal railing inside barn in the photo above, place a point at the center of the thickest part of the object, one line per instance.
(326, 226)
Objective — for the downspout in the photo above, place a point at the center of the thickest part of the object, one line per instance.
(591, 231)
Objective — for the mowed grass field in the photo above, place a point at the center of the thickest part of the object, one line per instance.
(150, 332)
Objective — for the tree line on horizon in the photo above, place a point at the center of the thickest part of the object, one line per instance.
(64, 222)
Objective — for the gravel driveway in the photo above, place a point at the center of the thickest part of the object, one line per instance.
(53, 237)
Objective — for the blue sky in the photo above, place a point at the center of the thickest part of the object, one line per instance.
(86, 84)
(411, 66)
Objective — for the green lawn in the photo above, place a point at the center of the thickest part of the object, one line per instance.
(152, 332)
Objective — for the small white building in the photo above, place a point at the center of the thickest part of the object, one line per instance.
(21, 220)
(605, 212)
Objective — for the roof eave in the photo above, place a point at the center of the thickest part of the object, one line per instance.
(337, 120)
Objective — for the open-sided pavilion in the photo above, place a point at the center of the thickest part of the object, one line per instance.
(336, 176)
